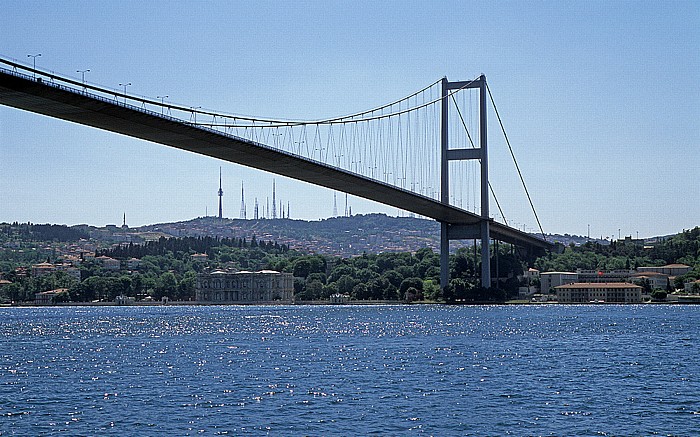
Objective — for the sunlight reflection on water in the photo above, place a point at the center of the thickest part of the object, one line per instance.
(505, 370)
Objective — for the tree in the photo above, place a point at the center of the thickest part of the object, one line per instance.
(340, 270)
(345, 284)
(166, 285)
(186, 286)
(314, 290)
(393, 277)
(301, 268)
(415, 283)
(659, 295)
(320, 277)
(360, 292)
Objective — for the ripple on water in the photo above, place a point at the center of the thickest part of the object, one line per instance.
(438, 370)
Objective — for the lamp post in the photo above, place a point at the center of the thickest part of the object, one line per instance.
(125, 85)
(194, 113)
(82, 72)
(162, 102)
(34, 59)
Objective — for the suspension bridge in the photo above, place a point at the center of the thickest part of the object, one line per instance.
(426, 153)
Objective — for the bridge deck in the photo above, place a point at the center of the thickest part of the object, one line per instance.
(73, 105)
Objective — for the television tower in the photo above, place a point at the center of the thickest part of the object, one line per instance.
(335, 205)
(221, 195)
(243, 212)
(346, 205)
(255, 213)
(274, 207)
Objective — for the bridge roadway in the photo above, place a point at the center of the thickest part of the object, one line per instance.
(66, 103)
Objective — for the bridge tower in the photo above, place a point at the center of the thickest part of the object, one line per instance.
(453, 231)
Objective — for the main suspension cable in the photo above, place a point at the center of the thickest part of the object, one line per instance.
(516, 162)
(493, 193)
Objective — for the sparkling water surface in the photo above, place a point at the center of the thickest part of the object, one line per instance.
(350, 370)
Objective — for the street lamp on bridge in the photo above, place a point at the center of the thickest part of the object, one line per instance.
(194, 113)
(82, 72)
(125, 85)
(34, 59)
(162, 102)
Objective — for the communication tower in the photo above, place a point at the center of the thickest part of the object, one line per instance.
(221, 195)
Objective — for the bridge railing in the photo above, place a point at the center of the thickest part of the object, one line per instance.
(371, 144)
(114, 100)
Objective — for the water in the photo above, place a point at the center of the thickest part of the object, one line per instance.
(350, 370)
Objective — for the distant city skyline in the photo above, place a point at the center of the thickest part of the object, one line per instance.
(601, 101)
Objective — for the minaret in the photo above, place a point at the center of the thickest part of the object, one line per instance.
(243, 214)
(256, 214)
(274, 206)
(221, 195)
(124, 226)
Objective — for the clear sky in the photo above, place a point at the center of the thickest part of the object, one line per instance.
(601, 101)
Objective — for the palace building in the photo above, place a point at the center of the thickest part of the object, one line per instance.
(263, 287)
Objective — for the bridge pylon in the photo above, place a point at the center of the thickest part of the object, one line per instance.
(481, 230)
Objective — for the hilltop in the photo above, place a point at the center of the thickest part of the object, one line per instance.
(336, 236)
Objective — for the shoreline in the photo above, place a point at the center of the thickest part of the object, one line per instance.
(689, 300)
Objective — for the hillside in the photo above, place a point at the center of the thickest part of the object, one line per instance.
(339, 236)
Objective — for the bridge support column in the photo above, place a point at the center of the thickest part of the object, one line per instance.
(485, 255)
(451, 231)
(444, 256)
(485, 237)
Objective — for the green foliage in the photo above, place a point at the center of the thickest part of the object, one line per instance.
(659, 295)
(625, 254)
(47, 232)
(167, 269)
(188, 245)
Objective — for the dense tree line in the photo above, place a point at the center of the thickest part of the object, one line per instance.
(167, 269)
(47, 232)
(188, 245)
(683, 248)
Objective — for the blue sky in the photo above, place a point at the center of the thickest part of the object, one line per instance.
(601, 101)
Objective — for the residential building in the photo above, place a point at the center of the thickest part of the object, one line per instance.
(133, 263)
(549, 280)
(657, 281)
(689, 287)
(87, 256)
(109, 263)
(608, 292)
(595, 275)
(266, 286)
(48, 297)
(42, 269)
(530, 275)
(669, 269)
(338, 298)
